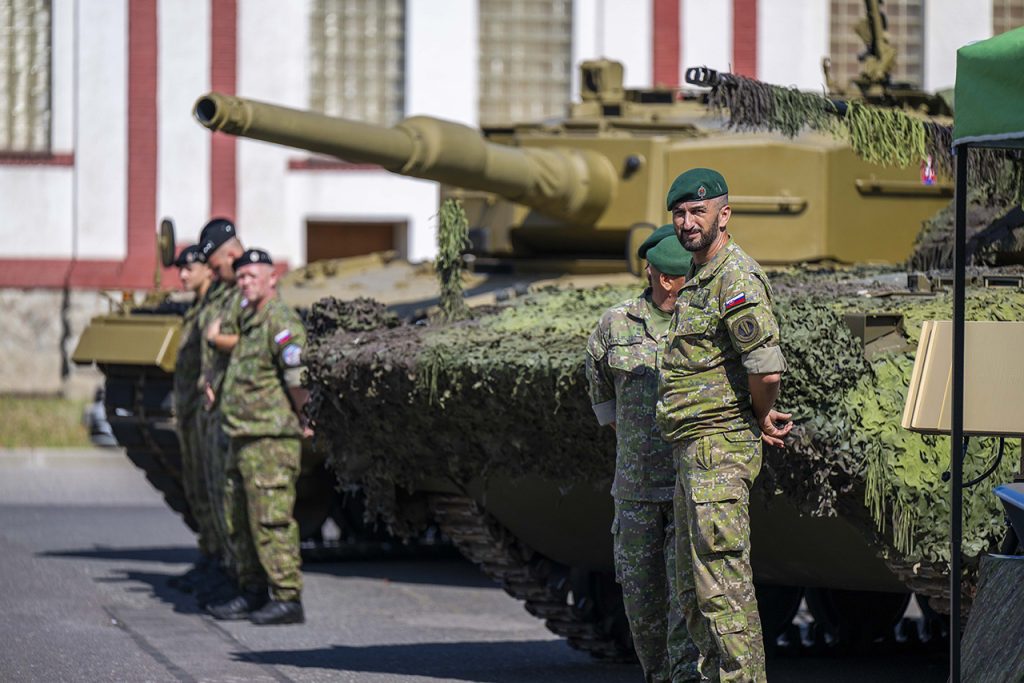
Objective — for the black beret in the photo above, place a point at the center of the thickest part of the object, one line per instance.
(189, 254)
(252, 256)
(215, 233)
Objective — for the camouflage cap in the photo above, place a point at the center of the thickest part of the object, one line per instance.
(696, 185)
(188, 255)
(655, 237)
(670, 257)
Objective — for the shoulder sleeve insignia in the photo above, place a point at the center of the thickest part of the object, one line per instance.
(746, 329)
(292, 356)
(735, 301)
(283, 336)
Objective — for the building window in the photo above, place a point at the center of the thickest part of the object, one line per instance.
(358, 59)
(1007, 15)
(25, 75)
(906, 30)
(525, 59)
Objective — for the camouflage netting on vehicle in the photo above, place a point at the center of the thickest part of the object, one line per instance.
(994, 234)
(504, 394)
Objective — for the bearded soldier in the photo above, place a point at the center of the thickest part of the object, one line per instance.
(720, 378)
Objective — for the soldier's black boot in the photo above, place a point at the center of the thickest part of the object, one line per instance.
(279, 612)
(238, 607)
(190, 580)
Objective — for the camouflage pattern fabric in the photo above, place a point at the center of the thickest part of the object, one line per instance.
(267, 360)
(260, 497)
(645, 559)
(194, 481)
(188, 365)
(187, 402)
(224, 301)
(723, 329)
(716, 588)
(622, 360)
(216, 444)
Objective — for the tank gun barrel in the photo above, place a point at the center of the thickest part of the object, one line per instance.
(569, 184)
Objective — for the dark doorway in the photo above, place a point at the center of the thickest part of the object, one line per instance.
(337, 239)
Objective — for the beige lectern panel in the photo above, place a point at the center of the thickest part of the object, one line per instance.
(993, 379)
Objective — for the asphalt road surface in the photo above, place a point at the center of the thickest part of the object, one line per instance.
(86, 548)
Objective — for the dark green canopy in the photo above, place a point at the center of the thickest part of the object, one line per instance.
(989, 92)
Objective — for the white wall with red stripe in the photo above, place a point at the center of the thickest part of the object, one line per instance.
(125, 151)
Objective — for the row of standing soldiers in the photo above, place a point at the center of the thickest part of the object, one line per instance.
(239, 408)
(687, 373)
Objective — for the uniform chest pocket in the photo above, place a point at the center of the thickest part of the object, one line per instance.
(628, 356)
(695, 322)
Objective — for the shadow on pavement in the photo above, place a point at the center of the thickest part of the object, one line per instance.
(183, 603)
(175, 554)
(486, 662)
(432, 571)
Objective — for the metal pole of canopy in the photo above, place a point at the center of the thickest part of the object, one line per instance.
(957, 438)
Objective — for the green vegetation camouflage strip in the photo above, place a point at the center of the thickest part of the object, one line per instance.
(505, 392)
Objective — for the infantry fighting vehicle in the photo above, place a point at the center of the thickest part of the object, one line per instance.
(483, 425)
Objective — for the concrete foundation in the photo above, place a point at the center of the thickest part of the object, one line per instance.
(40, 330)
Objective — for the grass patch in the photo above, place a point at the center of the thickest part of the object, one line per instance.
(34, 422)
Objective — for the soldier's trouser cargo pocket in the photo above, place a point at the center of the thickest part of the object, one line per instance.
(269, 468)
(714, 476)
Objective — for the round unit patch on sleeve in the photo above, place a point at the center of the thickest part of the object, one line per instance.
(746, 329)
(292, 356)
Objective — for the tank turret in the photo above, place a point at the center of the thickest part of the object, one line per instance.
(563, 195)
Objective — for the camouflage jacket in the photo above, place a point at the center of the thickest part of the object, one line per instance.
(723, 329)
(267, 360)
(187, 397)
(622, 361)
(224, 301)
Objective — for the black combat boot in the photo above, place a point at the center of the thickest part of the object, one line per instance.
(238, 607)
(279, 612)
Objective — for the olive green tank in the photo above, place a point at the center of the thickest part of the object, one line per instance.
(484, 425)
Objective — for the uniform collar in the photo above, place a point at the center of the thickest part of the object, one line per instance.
(708, 271)
(636, 309)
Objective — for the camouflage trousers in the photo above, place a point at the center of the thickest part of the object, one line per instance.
(193, 480)
(212, 436)
(645, 557)
(716, 585)
(260, 494)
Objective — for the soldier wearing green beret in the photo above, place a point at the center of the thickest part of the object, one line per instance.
(262, 406)
(720, 378)
(622, 363)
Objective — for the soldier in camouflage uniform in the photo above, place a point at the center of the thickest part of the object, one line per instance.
(720, 377)
(262, 406)
(218, 319)
(196, 277)
(623, 356)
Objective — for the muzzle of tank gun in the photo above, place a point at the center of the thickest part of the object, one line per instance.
(574, 185)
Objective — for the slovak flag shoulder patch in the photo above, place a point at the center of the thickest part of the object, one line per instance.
(283, 337)
(735, 301)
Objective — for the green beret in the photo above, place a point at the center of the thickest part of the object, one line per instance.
(696, 185)
(669, 257)
(655, 237)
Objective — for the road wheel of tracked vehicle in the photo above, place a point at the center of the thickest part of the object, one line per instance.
(856, 619)
(138, 408)
(582, 606)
